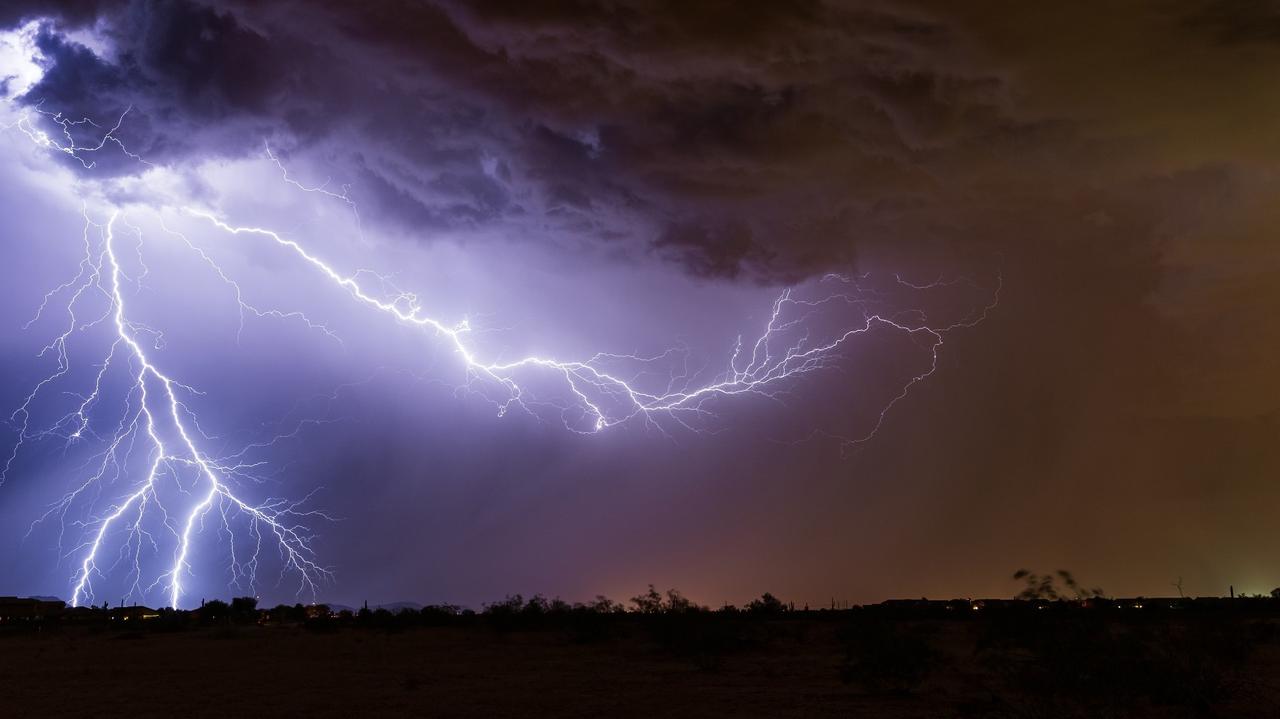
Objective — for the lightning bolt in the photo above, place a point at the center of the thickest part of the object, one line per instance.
(173, 486)
(153, 398)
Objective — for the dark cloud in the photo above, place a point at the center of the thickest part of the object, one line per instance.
(764, 143)
(77, 82)
(215, 66)
(713, 251)
(737, 142)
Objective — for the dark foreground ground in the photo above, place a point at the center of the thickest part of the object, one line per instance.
(800, 664)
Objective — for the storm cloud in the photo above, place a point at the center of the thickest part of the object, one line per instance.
(765, 142)
(1115, 166)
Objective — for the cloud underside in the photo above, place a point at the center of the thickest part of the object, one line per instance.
(765, 143)
(760, 144)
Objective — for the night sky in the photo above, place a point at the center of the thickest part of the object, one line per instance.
(632, 177)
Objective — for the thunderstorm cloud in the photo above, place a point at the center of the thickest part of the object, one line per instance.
(1115, 167)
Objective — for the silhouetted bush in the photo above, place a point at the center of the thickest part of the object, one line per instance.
(687, 630)
(508, 614)
(439, 615)
(590, 622)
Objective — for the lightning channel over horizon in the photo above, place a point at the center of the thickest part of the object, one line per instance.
(163, 487)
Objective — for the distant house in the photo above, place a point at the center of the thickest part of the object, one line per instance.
(989, 604)
(134, 613)
(25, 609)
(920, 605)
(75, 615)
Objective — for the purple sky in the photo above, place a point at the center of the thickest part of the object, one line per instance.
(631, 178)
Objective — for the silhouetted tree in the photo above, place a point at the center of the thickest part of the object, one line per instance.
(536, 606)
(439, 614)
(648, 603)
(244, 608)
(1045, 586)
(651, 602)
(766, 604)
(677, 603)
(511, 604)
(215, 609)
(604, 605)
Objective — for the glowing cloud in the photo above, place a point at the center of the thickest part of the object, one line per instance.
(158, 484)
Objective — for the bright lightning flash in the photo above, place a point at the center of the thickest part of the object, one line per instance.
(154, 447)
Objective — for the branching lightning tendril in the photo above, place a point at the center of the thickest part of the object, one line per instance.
(156, 449)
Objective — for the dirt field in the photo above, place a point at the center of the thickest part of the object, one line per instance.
(791, 668)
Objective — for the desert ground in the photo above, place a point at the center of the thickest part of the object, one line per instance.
(803, 664)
